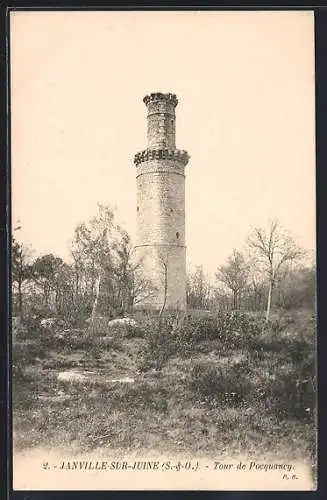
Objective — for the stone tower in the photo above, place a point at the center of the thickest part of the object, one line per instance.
(160, 246)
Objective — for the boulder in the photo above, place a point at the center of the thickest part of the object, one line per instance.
(52, 324)
(122, 322)
(71, 377)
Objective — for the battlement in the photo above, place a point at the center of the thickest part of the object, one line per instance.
(179, 155)
(158, 96)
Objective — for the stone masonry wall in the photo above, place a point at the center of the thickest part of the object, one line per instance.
(160, 181)
(156, 261)
(161, 121)
(160, 205)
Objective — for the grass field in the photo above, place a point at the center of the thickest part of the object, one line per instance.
(230, 386)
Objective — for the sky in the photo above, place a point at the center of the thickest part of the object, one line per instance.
(246, 115)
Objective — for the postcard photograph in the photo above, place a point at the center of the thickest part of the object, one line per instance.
(163, 250)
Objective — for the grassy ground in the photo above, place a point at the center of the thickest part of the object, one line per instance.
(255, 396)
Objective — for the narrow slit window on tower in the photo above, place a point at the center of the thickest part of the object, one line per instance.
(138, 209)
(177, 235)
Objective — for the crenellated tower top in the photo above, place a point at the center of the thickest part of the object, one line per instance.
(161, 130)
(160, 97)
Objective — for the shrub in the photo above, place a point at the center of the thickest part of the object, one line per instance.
(25, 352)
(85, 343)
(210, 346)
(107, 343)
(124, 329)
(170, 335)
(292, 339)
(158, 347)
(281, 322)
(260, 346)
(166, 336)
(291, 395)
(19, 330)
(32, 327)
(149, 396)
(232, 327)
(222, 383)
(228, 330)
(298, 349)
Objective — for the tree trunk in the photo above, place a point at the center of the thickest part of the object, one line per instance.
(76, 291)
(269, 300)
(165, 293)
(125, 298)
(58, 300)
(234, 299)
(258, 302)
(96, 299)
(46, 293)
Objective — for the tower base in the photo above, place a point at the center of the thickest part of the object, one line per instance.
(162, 278)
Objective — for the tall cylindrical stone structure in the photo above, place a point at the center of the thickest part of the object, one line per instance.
(160, 247)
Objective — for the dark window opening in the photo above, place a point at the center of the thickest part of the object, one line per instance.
(172, 122)
(177, 235)
(171, 210)
(138, 208)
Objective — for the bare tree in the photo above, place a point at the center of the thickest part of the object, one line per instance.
(140, 287)
(94, 249)
(274, 249)
(164, 261)
(198, 289)
(256, 287)
(21, 270)
(234, 275)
